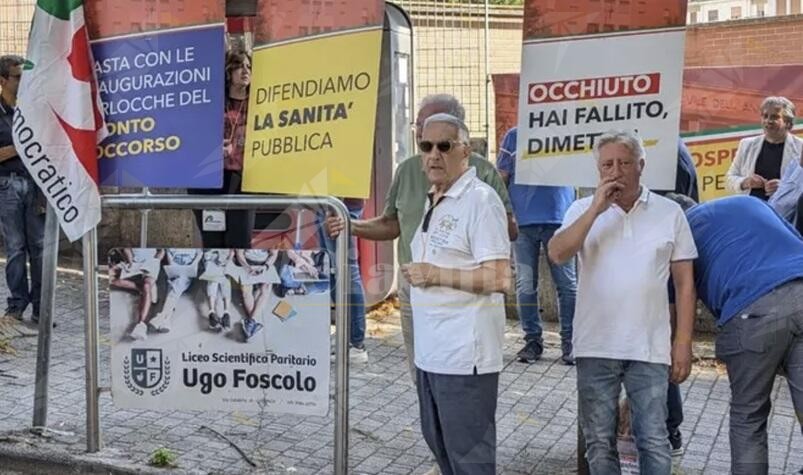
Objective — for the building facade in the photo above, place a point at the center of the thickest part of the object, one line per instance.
(710, 11)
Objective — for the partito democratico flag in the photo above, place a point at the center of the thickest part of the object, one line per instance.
(58, 122)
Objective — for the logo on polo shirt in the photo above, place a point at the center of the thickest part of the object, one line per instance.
(448, 223)
(443, 230)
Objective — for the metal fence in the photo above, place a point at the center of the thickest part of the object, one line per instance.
(15, 21)
(451, 54)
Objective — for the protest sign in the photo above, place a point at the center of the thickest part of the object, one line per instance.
(624, 73)
(312, 108)
(162, 93)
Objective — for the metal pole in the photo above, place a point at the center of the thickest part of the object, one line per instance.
(143, 221)
(342, 326)
(90, 241)
(487, 82)
(50, 258)
(128, 201)
(299, 219)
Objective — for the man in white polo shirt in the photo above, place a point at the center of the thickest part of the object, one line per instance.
(460, 268)
(628, 240)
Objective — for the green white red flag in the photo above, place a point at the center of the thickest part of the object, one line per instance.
(58, 121)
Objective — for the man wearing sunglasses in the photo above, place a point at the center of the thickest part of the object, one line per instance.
(459, 271)
(404, 209)
(405, 203)
(21, 205)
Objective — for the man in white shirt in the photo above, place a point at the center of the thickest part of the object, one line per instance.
(460, 268)
(628, 241)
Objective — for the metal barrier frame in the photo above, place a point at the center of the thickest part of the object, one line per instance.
(228, 202)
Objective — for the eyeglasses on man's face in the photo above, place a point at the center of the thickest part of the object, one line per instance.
(444, 146)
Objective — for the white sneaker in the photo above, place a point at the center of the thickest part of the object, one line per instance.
(161, 322)
(358, 355)
(435, 470)
(140, 331)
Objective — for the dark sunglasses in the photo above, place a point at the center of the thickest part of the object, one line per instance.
(443, 147)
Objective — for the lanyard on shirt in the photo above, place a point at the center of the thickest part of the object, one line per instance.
(427, 219)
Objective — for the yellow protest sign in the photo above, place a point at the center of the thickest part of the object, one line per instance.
(712, 157)
(311, 115)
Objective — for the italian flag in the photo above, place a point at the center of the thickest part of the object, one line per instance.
(58, 122)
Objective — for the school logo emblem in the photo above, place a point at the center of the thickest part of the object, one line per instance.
(146, 369)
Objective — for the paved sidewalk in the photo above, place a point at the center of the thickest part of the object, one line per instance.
(536, 414)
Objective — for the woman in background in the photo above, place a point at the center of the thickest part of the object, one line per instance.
(239, 223)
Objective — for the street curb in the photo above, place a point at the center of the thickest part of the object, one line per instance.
(43, 460)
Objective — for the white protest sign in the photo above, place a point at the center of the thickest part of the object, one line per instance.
(572, 90)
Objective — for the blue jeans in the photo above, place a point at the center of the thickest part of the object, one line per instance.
(356, 303)
(674, 403)
(526, 250)
(599, 382)
(23, 228)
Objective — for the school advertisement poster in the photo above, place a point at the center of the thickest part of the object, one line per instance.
(161, 81)
(312, 107)
(585, 74)
(219, 329)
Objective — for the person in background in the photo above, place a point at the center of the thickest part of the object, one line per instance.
(22, 211)
(539, 213)
(787, 200)
(239, 224)
(761, 161)
(356, 302)
(686, 185)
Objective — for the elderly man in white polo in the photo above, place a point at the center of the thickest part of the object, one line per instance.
(628, 240)
(459, 271)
